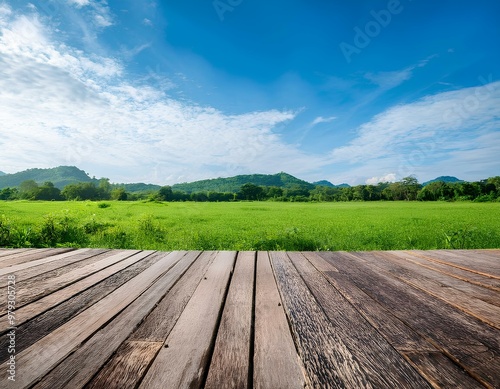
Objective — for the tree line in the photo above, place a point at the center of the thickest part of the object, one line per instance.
(408, 189)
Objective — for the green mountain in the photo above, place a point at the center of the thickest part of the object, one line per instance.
(329, 184)
(2, 173)
(448, 179)
(60, 176)
(233, 184)
(64, 175)
(324, 183)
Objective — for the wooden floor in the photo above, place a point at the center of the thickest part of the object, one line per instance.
(123, 319)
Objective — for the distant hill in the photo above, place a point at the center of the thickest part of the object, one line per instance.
(59, 176)
(448, 179)
(323, 183)
(2, 173)
(233, 184)
(329, 184)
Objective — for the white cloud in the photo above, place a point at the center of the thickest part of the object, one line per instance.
(99, 11)
(60, 106)
(389, 80)
(389, 177)
(147, 22)
(442, 130)
(321, 119)
(79, 3)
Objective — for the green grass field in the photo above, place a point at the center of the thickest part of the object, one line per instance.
(251, 225)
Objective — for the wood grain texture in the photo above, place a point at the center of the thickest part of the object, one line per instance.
(63, 261)
(34, 289)
(401, 336)
(459, 274)
(230, 364)
(4, 253)
(19, 253)
(130, 363)
(471, 344)
(40, 358)
(183, 362)
(383, 366)
(157, 325)
(455, 292)
(28, 256)
(37, 307)
(118, 319)
(326, 358)
(33, 330)
(76, 370)
(41, 261)
(465, 260)
(276, 362)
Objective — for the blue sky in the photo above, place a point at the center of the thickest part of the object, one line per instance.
(175, 91)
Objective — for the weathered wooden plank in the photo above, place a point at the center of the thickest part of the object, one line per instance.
(454, 292)
(154, 329)
(439, 374)
(31, 331)
(38, 359)
(27, 312)
(162, 319)
(11, 252)
(183, 362)
(230, 364)
(439, 369)
(326, 358)
(130, 363)
(61, 260)
(33, 289)
(470, 263)
(464, 275)
(31, 256)
(43, 260)
(471, 344)
(382, 364)
(78, 368)
(276, 362)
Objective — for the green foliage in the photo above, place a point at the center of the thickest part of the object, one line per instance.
(463, 238)
(119, 194)
(252, 225)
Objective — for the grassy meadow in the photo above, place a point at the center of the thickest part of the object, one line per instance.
(250, 225)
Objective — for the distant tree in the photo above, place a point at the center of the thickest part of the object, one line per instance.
(251, 192)
(119, 194)
(104, 188)
(274, 192)
(165, 193)
(48, 192)
(198, 196)
(409, 187)
(28, 189)
(9, 194)
(81, 191)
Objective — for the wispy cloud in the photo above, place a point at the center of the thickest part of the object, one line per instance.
(60, 106)
(98, 10)
(392, 79)
(321, 119)
(452, 131)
